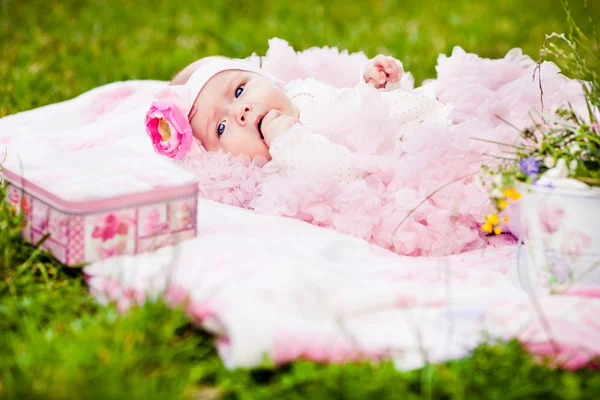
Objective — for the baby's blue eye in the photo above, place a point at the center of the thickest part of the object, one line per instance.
(221, 128)
(238, 91)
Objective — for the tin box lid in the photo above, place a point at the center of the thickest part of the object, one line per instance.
(92, 180)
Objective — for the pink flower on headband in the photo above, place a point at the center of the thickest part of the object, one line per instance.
(167, 122)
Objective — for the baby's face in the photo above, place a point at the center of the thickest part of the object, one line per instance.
(230, 109)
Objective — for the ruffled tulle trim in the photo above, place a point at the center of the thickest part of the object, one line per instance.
(421, 201)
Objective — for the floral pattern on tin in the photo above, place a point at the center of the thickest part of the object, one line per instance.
(153, 220)
(574, 242)
(19, 203)
(550, 217)
(181, 215)
(563, 249)
(58, 226)
(156, 242)
(39, 216)
(112, 234)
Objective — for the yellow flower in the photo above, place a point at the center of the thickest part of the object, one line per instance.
(491, 224)
(492, 219)
(502, 204)
(487, 227)
(512, 194)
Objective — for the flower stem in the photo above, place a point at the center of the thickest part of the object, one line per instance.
(502, 158)
(460, 178)
(498, 143)
(589, 181)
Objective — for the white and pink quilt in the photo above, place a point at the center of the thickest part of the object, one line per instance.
(269, 285)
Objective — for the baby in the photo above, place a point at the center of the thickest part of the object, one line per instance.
(218, 103)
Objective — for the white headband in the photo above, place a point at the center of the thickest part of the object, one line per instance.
(202, 75)
(167, 119)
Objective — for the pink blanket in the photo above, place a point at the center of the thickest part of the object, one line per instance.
(280, 288)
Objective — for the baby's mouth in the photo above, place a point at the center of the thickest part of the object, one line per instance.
(260, 121)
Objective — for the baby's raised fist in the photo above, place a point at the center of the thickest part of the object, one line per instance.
(381, 70)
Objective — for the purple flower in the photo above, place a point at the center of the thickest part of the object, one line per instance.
(529, 166)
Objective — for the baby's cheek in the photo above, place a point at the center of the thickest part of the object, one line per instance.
(237, 144)
(258, 149)
(284, 103)
(195, 129)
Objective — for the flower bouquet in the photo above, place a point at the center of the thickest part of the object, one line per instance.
(553, 174)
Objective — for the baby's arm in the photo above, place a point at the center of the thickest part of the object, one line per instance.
(299, 149)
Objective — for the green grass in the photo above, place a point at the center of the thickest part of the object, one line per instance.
(56, 343)
(54, 50)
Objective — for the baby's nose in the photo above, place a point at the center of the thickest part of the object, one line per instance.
(242, 114)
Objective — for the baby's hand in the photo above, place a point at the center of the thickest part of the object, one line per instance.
(276, 124)
(381, 70)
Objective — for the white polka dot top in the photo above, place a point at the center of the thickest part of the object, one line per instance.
(299, 148)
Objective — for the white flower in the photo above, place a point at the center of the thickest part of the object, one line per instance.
(497, 193)
(574, 148)
(497, 180)
(549, 161)
(560, 171)
(573, 165)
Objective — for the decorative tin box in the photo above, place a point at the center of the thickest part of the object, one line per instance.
(93, 212)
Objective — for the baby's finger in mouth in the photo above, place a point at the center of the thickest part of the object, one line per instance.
(268, 119)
